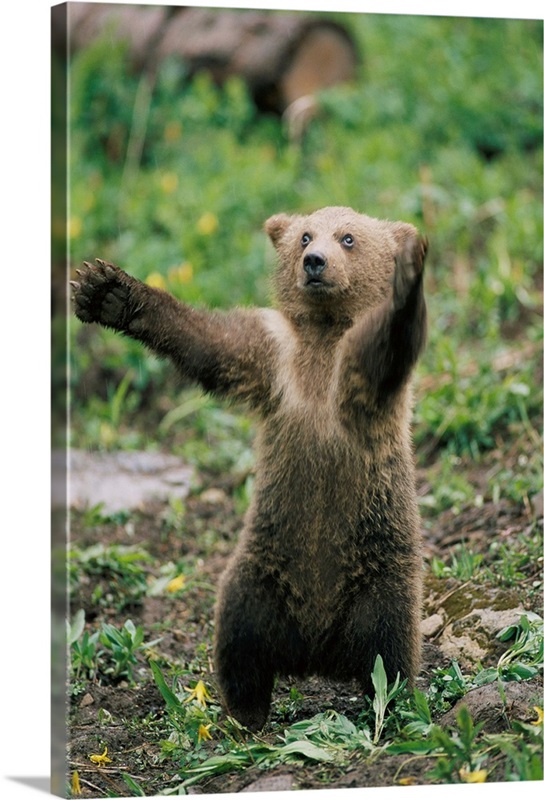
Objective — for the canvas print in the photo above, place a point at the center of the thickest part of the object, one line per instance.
(297, 381)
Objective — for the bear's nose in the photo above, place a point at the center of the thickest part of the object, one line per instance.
(314, 264)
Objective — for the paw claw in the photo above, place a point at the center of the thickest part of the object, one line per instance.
(101, 293)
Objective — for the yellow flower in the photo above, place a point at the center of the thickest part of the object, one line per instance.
(268, 152)
(76, 787)
(169, 182)
(175, 584)
(89, 201)
(326, 163)
(156, 280)
(101, 759)
(182, 274)
(75, 226)
(108, 434)
(172, 131)
(198, 693)
(540, 716)
(204, 732)
(207, 224)
(478, 776)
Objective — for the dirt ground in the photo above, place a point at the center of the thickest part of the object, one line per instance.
(131, 718)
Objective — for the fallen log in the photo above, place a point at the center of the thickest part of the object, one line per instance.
(281, 56)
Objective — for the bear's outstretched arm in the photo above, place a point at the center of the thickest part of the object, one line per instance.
(384, 346)
(222, 352)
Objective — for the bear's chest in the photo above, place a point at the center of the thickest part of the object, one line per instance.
(305, 369)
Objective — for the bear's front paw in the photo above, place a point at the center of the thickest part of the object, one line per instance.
(101, 294)
(409, 264)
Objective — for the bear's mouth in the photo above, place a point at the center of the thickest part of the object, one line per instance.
(317, 283)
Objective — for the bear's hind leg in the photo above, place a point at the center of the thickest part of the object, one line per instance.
(253, 642)
(393, 632)
(244, 672)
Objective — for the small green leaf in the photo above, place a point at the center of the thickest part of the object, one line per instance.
(134, 787)
(486, 676)
(307, 749)
(422, 705)
(379, 679)
(75, 629)
(219, 764)
(172, 702)
(507, 633)
(417, 746)
(520, 672)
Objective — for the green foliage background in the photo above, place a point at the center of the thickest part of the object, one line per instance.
(443, 128)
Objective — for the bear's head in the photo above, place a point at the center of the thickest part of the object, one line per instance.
(334, 264)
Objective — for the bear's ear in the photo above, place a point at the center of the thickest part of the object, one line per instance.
(276, 226)
(402, 231)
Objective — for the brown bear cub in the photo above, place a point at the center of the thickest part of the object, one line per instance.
(327, 572)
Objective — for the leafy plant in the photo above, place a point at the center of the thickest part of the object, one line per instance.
(332, 730)
(447, 686)
(458, 757)
(107, 652)
(172, 517)
(517, 560)
(465, 411)
(462, 760)
(135, 788)
(524, 658)
(121, 646)
(191, 716)
(465, 755)
(383, 695)
(522, 750)
(464, 564)
(117, 572)
(326, 737)
(93, 516)
(288, 709)
(84, 655)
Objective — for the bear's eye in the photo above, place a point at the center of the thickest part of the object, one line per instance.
(348, 240)
(306, 239)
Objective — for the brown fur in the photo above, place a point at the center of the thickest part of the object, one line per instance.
(327, 571)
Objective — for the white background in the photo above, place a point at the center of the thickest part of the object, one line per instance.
(24, 388)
